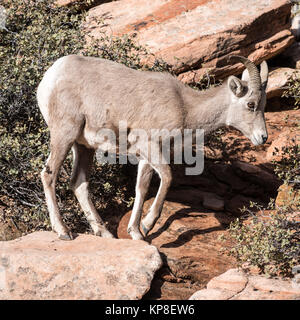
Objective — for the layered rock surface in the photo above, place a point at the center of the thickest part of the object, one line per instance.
(278, 80)
(188, 238)
(187, 233)
(198, 36)
(40, 266)
(237, 285)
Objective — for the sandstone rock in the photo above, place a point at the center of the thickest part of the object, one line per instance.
(252, 169)
(190, 196)
(213, 203)
(253, 294)
(226, 174)
(296, 282)
(8, 231)
(212, 294)
(296, 273)
(233, 280)
(262, 288)
(205, 181)
(234, 185)
(188, 239)
(237, 285)
(288, 196)
(236, 203)
(256, 174)
(198, 36)
(272, 285)
(195, 197)
(288, 137)
(40, 266)
(296, 269)
(277, 82)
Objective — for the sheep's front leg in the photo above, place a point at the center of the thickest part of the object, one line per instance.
(165, 174)
(144, 176)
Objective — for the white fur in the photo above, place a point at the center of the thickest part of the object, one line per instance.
(47, 85)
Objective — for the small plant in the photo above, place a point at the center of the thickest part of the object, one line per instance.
(288, 167)
(293, 88)
(270, 242)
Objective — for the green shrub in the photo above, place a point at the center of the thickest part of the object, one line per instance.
(293, 88)
(270, 242)
(288, 167)
(37, 33)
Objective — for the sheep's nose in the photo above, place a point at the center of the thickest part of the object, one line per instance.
(264, 138)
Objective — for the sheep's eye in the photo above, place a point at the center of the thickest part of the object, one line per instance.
(251, 105)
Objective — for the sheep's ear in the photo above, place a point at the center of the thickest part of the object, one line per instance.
(235, 86)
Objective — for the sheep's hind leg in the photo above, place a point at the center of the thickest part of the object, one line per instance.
(83, 160)
(49, 174)
(165, 175)
(142, 184)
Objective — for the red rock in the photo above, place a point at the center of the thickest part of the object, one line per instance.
(212, 294)
(288, 196)
(233, 280)
(204, 181)
(252, 294)
(296, 282)
(278, 80)
(287, 138)
(262, 288)
(188, 239)
(195, 196)
(213, 202)
(236, 203)
(225, 173)
(236, 285)
(199, 35)
(272, 285)
(40, 266)
(256, 174)
(8, 231)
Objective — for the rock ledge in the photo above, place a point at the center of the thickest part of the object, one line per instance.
(237, 285)
(40, 266)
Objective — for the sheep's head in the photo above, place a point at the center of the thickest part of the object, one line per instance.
(248, 101)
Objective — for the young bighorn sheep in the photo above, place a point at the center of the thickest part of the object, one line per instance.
(80, 95)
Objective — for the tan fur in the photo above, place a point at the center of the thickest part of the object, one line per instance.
(79, 96)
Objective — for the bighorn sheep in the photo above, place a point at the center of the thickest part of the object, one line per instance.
(80, 95)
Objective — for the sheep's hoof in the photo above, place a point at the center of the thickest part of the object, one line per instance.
(135, 234)
(66, 236)
(104, 234)
(144, 229)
